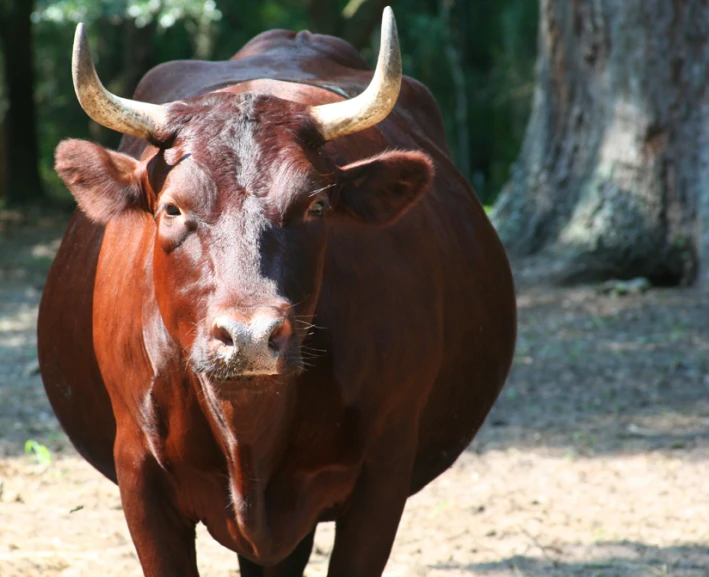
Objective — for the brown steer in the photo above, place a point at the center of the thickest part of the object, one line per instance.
(278, 304)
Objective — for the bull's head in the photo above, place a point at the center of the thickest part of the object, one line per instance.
(242, 192)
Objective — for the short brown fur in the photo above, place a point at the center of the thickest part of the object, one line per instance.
(394, 289)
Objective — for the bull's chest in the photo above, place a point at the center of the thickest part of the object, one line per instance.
(263, 499)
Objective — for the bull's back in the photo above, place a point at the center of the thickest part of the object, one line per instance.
(67, 359)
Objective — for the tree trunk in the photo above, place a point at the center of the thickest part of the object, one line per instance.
(615, 162)
(3, 159)
(23, 182)
(355, 23)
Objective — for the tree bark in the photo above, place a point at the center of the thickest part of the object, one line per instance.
(3, 158)
(614, 168)
(23, 182)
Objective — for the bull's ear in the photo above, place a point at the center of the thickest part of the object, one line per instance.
(103, 182)
(380, 189)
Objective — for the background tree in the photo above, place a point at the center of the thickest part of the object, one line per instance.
(19, 128)
(615, 160)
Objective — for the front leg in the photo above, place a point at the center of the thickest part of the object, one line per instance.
(365, 533)
(163, 539)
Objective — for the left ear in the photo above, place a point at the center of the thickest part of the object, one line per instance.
(380, 189)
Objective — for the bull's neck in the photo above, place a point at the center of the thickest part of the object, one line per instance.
(251, 423)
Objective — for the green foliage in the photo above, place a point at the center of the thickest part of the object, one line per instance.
(495, 43)
(165, 12)
(40, 452)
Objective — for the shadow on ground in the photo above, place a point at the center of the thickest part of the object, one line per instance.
(596, 373)
(606, 559)
(28, 242)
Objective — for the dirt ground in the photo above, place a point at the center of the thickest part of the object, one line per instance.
(594, 462)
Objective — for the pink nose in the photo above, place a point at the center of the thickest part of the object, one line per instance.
(259, 340)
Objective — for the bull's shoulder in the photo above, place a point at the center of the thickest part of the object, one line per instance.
(180, 79)
(419, 107)
(296, 57)
(276, 54)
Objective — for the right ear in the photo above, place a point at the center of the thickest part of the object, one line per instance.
(103, 182)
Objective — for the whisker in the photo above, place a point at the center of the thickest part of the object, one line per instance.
(310, 349)
(299, 303)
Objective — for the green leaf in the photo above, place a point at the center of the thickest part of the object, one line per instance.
(41, 453)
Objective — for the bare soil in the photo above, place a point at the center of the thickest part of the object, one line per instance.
(594, 462)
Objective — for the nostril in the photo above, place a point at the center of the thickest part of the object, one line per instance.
(221, 334)
(279, 337)
(273, 345)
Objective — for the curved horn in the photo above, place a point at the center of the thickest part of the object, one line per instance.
(376, 102)
(139, 119)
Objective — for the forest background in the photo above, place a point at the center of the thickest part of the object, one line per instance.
(477, 57)
(584, 125)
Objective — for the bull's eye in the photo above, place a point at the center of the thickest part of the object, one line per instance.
(172, 210)
(318, 208)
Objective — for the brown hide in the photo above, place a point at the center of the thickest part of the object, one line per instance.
(398, 306)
